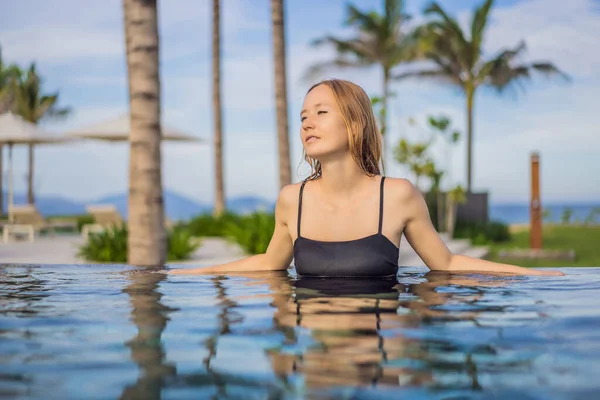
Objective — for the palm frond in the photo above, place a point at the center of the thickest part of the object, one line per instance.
(357, 47)
(29, 101)
(478, 25)
(450, 24)
(365, 22)
(501, 75)
(548, 70)
(435, 74)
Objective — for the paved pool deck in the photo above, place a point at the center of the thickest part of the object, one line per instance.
(63, 250)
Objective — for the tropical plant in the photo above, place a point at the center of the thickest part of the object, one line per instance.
(591, 217)
(253, 232)
(415, 156)
(547, 215)
(208, 225)
(566, 215)
(281, 104)
(111, 245)
(454, 197)
(33, 105)
(440, 127)
(217, 108)
(381, 40)
(457, 59)
(482, 233)
(147, 238)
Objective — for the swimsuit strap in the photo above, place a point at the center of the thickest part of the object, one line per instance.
(381, 205)
(300, 206)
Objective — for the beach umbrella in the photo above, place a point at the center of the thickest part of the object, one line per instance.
(15, 130)
(117, 130)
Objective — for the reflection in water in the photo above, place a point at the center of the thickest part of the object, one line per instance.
(269, 335)
(150, 317)
(346, 323)
(356, 333)
(226, 317)
(22, 291)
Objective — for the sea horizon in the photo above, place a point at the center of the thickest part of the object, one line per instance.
(518, 212)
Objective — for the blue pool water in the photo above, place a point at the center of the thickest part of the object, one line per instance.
(108, 332)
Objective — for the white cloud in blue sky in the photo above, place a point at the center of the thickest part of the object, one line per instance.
(79, 48)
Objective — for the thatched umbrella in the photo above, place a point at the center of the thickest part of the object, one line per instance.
(15, 130)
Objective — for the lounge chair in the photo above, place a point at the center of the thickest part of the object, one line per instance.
(105, 216)
(27, 220)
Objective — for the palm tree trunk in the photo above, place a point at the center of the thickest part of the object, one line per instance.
(150, 317)
(217, 114)
(30, 198)
(470, 95)
(383, 116)
(146, 238)
(278, 22)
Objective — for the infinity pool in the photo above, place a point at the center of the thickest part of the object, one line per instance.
(108, 332)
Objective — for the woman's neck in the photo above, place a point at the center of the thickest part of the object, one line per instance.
(340, 178)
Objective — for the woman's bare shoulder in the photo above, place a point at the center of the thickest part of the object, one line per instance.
(400, 189)
(288, 195)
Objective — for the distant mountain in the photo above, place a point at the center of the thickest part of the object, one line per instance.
(248, 204)
(49, 205)
(177, 206)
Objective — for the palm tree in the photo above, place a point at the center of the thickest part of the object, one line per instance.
(146, 238)
(380, 41)
(7, 74)
(218, 123)
(458, 60)
(278, 22)
(30, 103)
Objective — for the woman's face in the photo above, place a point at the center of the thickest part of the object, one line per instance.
(323, 131)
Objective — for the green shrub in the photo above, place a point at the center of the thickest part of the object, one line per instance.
(110, 245)
(479, 233)
(84, 220)
(209, 225)
(252, 232)
(180, 244)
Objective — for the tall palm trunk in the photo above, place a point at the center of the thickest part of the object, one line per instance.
(470, 95)
(30, 198)
(146, 240)
(277, 18)
(217, 114)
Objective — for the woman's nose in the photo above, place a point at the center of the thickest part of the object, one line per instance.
(307, 124)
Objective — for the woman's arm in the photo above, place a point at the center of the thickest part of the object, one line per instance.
(425, 240)
(279, 252)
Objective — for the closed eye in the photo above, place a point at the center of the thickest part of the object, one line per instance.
(321, 112)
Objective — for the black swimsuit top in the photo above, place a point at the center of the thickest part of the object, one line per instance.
(371, 256)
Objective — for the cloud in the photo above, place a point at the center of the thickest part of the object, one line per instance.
(564, 32)
(78, 31)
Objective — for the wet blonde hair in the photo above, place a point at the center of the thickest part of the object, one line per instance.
(363, 133)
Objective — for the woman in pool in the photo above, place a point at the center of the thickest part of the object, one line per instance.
(345, 219)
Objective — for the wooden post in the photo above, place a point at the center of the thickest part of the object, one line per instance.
(535, 207)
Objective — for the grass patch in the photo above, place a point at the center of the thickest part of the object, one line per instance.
(583, 239)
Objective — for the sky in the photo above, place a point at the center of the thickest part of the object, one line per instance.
(78, 47)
